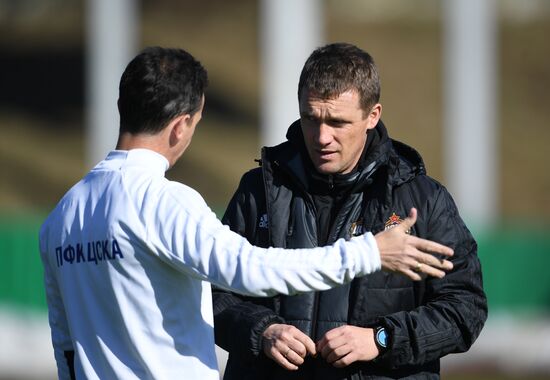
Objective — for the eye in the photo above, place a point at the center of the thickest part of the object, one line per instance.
(337, 122)
(309, 118)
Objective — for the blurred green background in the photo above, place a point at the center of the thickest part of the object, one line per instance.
(42, 119)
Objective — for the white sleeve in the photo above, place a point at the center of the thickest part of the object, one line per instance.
(61, 337)
(190, 237)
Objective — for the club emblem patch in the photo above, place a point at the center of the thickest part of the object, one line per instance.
(393, 221)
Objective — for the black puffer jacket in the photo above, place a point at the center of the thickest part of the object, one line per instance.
(426, 320)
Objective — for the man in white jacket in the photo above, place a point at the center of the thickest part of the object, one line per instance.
(128, 254)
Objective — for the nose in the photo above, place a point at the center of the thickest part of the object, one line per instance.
(324, 134)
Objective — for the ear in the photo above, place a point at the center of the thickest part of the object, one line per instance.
(374, 115)
(178, 128)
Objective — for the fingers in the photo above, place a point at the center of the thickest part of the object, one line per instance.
(409, 221)
(427, 264)
(426, 258)
(345, 360)
(337, 354)
(430, 271)
(346, 344)
(423, 244)
(416, 264)
(431, 266)
(326, 338)
(431, 246)
(332, 346)
(296, 352)
(308, 344)
(411, 274)
(284, 361)
(287, 345)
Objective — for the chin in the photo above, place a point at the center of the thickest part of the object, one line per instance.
(326, 169)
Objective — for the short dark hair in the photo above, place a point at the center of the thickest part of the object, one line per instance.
(336, 68)
(158, 85)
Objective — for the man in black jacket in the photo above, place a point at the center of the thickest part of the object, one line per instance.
(340, 174)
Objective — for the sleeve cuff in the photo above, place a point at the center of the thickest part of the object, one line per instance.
(368, 259)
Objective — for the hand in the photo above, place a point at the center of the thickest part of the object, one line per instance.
(287, 345)
(410, 255)
(347, 344)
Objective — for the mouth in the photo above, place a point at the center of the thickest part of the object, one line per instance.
(326, 154)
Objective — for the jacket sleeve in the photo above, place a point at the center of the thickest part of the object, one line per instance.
(61, 337)
(239, 321)
(453, 309)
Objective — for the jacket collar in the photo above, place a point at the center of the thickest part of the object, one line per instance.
(146, 159)
(401, 161)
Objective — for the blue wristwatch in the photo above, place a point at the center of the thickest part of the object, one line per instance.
(381, 338)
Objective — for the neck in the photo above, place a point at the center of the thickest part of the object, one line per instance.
(156, 143)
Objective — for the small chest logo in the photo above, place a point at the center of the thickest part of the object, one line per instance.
(264, 223)
(393, 221)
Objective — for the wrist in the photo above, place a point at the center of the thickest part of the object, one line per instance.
(373, 260)
(265, 337)
(381, 339)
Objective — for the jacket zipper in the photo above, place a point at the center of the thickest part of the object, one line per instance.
(314, 336)
(317, 295)
(331, 238)
(330, 181)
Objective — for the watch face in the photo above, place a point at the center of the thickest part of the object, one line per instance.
(382, 337)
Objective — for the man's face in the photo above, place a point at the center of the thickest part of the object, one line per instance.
(335, 130)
